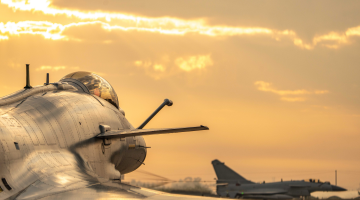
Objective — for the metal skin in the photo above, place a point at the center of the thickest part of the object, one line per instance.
(230, 184)
(49, 148)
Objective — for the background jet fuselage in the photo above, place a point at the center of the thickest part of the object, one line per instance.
(287, 189)
(232, 184)
(53, 131)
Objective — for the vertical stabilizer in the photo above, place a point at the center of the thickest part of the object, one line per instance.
(224, 173)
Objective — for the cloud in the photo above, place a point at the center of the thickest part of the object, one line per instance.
(57, 68)
(47, 29)
(153, 69)
(194, 62)
(293, 99)
(322, 107)
(108, 41)
(141, 63)
(166, 67)
(267, 87)
(54, 68)
(4, 37)
(14, 64)
(158, 67)
(149, 64)
(162, 25)
(50, 68)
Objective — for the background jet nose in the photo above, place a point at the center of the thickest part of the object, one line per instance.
(336, 188)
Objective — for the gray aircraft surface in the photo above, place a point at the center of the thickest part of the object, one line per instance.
(71, 140)
(231, 184)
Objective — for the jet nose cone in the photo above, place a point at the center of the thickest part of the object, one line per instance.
(336, 188)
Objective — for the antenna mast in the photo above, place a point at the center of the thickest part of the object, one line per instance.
(47, 79)
(28, 86)
(335, 177)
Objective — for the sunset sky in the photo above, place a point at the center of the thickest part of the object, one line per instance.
(277, 82)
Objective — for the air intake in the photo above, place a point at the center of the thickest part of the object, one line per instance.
(6, 184)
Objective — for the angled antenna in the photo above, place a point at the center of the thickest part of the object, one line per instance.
(166, 102)
(28, 86)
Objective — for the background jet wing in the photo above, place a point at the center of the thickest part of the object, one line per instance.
(273, 196)
(138, 132)
(298, 185)
(264, 191)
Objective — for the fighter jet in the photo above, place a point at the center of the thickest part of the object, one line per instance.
(231, 184)
(70, 140)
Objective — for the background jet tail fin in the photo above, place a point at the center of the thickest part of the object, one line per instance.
(224, 173)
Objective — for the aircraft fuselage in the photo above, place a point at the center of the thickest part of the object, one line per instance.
(50, 132)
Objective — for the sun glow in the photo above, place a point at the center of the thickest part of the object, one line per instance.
(112, 21)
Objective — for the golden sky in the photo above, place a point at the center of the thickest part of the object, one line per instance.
(276, 81)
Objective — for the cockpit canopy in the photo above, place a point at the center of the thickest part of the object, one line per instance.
(313, 180)
(93, 84)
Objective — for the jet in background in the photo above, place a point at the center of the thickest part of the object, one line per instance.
(71, 140)
(231, 184)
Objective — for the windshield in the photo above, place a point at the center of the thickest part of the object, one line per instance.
(96, 85)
